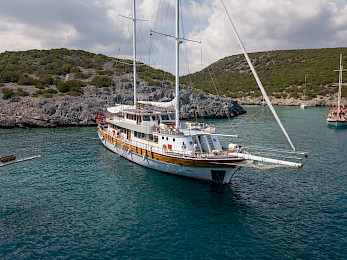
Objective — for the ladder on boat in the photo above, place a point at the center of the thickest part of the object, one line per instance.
(210, 143)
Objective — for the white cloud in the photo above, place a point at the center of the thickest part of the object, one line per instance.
(97, 26)
(271, 25)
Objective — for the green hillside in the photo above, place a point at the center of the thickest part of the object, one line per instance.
(67, 72)
(281, 72)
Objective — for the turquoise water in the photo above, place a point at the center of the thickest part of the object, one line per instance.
(82, 201)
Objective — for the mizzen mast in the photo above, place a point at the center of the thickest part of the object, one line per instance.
(340, 86)
(177, 105)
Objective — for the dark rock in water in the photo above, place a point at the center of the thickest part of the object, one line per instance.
(81, 110)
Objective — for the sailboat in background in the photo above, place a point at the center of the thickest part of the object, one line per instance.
(337, 117)
(304, 105)
(151, 134)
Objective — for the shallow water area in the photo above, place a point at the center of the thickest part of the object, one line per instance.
(82, 201)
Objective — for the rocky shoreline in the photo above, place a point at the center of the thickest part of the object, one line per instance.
(316, 102)
(65, 110)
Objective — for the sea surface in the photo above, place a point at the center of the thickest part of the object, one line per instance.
(81, 201)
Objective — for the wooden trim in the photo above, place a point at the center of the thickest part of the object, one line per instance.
(194, 162)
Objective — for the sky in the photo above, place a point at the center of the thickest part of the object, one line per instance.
(102, 26)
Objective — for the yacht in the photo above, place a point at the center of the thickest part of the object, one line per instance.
(152, 135)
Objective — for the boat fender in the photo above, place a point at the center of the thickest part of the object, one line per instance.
(144, 156)
(129, 151)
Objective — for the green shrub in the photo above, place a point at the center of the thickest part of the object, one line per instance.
(75, 69)
(47, 95)
(46, 79)
(10, 76)
(7, 93)
(39, 85)
(74, 93)
(80, 75)
(26, 80)
(71, 86)
(101, 82)
(22, 93)
(105, 72)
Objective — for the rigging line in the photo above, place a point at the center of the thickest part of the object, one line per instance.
(248, 131)
(258, 80)
(224, 106)
(115, 36)
(199, 32)
(215, 86)
(185, 55)
(151, 38)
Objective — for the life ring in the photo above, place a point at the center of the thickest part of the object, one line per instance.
(164, 146)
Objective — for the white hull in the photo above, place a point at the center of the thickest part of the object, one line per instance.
(304, 106)
(337, 123)
(201, 173)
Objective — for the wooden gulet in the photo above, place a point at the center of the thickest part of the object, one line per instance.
(150, 134)
(148, 137)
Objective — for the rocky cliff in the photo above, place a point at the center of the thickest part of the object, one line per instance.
(66, 110)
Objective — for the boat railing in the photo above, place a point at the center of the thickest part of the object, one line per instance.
(177, 153)
(145, 145)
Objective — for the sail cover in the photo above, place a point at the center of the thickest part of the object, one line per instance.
(169, 105)
(118, 108)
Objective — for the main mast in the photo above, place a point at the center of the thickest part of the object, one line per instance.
(134, 50)
(177, 67)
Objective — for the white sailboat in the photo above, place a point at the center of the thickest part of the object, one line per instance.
(151, 134)
(304, 105)
(337, 117)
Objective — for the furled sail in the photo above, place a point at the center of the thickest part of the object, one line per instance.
(118, 108)
(168, 105)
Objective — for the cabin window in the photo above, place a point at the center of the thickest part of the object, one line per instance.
(147, 137)
(173, 139)
(151, 138)
(146, 118)
(172, 117)
(162, 137)
(167, 138)
(165, 117)
(143, 135)
(156, 139)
